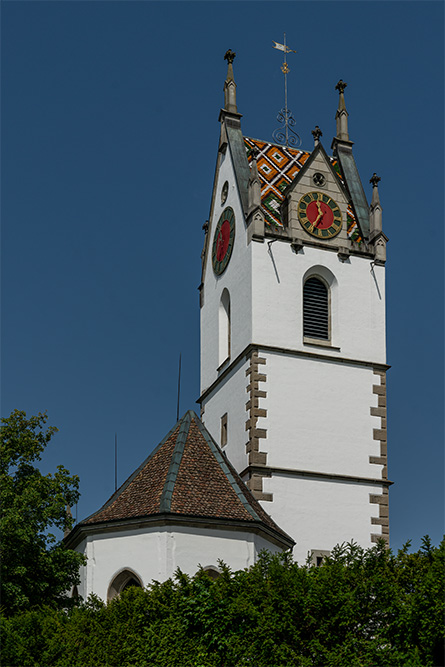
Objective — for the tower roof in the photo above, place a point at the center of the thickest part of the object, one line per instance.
(277, 167)
(187, 477)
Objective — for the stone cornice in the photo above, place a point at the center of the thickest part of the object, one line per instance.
(268, 471)
(81, 531)
(245, 355)
(284, 235)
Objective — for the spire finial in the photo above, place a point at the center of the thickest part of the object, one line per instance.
(374, 180)
(342, 115)
(341, 85)
(317, 133)
(229, 84)
(285, 135)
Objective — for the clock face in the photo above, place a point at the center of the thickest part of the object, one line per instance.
(320, 215)
(223, 241)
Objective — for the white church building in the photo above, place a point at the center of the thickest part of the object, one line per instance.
(290, 449)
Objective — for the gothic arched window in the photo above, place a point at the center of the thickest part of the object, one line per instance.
(123, 580)
(316, 309)
(224, 327)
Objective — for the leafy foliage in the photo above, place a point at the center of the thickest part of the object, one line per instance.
(35, 567)
(361, 607)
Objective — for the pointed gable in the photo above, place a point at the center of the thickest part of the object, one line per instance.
(186, 476)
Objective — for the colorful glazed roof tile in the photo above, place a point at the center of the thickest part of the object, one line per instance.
(277, 167)
(187, 475)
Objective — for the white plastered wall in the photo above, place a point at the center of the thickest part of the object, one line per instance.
(155, 554)
(236, 279)
(318, 409)
(318, 415)
(319, 514)
(357, 300)
(229, 398)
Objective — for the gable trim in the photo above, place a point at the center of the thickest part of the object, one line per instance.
(169, 484)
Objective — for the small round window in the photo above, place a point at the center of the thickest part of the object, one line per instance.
(318, 179)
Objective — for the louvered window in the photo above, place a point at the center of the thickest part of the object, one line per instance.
(315, 309)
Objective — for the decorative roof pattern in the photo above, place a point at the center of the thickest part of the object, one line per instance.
(186, 475)
(277, 167)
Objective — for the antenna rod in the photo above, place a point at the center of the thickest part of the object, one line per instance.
(285, 135)
(179, 387)
(115, 461)
(285, 70)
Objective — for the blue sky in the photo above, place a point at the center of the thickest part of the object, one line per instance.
(109, 138)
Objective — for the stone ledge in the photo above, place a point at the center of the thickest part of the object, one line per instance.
(259, 433)
(259, 412)
(378, 499)
(259, 495)
(378, 460)
(378, 412)
(336, 477)
(258, 458)
(260, 393)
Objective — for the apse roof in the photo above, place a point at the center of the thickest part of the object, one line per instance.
(187, 475)
(277, 167)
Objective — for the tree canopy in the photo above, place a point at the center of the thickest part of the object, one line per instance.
(364, 608)
(36, 568)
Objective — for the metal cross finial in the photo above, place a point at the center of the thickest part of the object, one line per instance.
(229, 56)
(374, 180)
(317, 133)
(288, 136)
(341, 85)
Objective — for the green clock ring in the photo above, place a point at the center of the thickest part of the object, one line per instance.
(223, 240)
(319, 215)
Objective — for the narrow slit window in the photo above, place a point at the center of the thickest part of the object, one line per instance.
(315, 309)
(224, 327)
(224, 430)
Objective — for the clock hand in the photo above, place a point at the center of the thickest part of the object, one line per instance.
(320, 212)
(320, 215)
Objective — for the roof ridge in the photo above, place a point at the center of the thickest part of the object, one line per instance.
(134, 474)
(169, 484)
(216, 451)
(277, 145)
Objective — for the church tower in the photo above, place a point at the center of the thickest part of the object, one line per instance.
(293, 352)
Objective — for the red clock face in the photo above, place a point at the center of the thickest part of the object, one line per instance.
(223, 240)
(320, 215)
(313, 213)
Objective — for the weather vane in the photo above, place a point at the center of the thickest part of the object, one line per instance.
(285, 135)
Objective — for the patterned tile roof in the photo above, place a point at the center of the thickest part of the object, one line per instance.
(186, 475)
(277, 167)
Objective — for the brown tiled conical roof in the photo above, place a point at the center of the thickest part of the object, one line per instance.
(186, 476)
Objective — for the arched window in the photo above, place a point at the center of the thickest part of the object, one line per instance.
(316, 309)
(121, 582)
(212, 572)
(224, 327)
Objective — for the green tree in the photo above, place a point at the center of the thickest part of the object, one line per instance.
(36, 568)
(360, 608)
